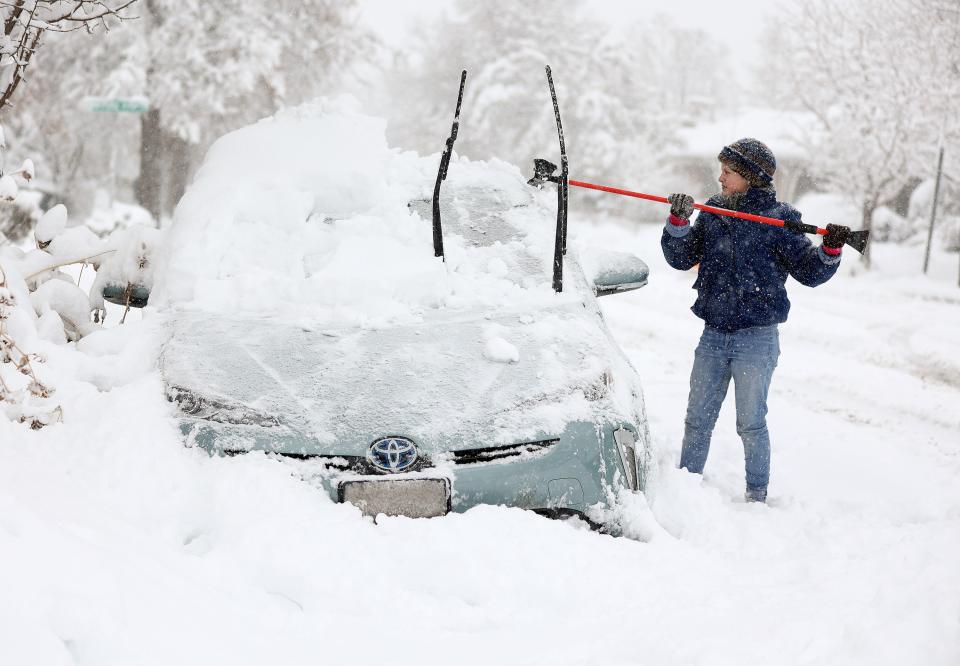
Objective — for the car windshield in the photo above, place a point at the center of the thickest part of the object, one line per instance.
(312, 217)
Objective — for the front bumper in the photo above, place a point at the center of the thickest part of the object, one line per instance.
(567, 474)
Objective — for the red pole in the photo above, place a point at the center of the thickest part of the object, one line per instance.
(710, 209)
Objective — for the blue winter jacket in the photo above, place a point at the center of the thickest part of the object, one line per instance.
(744, 265)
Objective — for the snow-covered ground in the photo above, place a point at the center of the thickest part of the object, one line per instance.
(120, 546)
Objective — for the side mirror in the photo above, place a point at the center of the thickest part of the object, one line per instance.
(136, 295)
(614, 272)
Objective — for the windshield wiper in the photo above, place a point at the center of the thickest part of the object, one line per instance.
(560, 244)
(442, 173)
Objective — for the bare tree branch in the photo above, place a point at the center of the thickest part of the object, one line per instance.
(26, 21)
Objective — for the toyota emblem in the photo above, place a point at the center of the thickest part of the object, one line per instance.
(393, 454)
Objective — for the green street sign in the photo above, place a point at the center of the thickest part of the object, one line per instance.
(116, 105)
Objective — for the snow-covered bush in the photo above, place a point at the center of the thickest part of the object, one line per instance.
(109, 215)
(41, 305)
(17, 219)
(23, 395)
(889, 227)
(947, 224)
(950, 232)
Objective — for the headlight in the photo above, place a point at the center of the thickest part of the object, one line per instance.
(626, 445)
(211, 409)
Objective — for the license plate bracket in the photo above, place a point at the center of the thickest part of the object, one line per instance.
(413, 498)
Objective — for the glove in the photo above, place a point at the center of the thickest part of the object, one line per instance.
(681, 205)
(836, 236)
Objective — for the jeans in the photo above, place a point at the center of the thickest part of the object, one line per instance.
(749, 357)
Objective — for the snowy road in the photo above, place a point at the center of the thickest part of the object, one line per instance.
(119, 546)
(853, 560)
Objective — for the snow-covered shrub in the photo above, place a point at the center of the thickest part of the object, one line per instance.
(23, 395)
(949, 233)
(50, 225)
(40, 304)
(18, 218)
(109, 216)
(889, 227)
(69, 302)
(947, 224)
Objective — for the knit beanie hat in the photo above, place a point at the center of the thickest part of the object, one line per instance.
(751, 159)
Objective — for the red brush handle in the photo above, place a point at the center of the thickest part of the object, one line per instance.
(710, 209)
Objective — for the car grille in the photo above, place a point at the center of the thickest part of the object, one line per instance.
(356, 464)
(463, 457)
(499, 453)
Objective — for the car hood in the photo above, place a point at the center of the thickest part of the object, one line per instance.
(447, 382)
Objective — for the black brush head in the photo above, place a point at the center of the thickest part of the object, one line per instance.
(858, 240)
(543, 171)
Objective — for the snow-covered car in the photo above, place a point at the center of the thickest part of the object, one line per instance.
(309, 320)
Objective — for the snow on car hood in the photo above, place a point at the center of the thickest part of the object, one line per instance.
(458, 383)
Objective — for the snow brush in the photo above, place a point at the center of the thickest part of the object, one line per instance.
(543, 172)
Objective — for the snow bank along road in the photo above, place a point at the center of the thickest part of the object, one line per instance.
(119, 546)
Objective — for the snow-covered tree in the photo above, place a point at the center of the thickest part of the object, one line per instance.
(881, 77)
(31, 28)
(74, 150)
(205, 67)
(210, 67)
(685, 67)
(507, 112)
(25, 23)
(617, 87)
(38, 303)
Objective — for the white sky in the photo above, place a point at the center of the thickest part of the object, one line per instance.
(741, 21)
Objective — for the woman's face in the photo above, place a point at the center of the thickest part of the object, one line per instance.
(731, 182)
